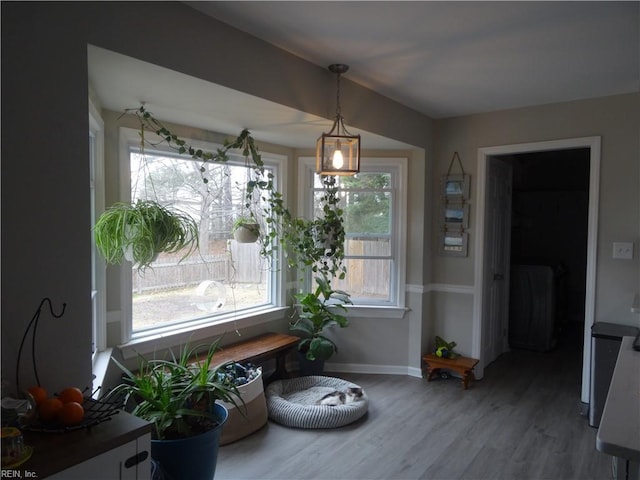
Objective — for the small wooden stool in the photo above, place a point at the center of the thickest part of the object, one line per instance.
(463, 365)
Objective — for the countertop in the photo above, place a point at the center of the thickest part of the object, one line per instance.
(54, 452)
(619, 431)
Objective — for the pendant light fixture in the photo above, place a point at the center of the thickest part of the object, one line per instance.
(338, 152)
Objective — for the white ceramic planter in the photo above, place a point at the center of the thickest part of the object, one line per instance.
(247, 234)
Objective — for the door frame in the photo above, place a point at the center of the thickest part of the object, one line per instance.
(594, 145)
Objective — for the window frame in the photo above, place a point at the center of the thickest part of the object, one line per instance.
(97, 205)
(148, 340)
(398, 167)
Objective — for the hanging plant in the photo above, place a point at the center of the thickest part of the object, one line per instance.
(319, 243)
(282, 230)
(139, 232)
(246, 229)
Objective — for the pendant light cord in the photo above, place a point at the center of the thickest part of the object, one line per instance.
(338, 109)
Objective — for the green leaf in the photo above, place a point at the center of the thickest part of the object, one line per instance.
(322, 348)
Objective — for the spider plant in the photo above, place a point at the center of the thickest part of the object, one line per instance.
(139, 232)
(177, 394)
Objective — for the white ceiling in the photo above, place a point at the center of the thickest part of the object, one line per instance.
(457, 58)
(121, 82)
(441, 58)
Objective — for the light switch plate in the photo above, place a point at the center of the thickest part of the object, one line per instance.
(623, 250)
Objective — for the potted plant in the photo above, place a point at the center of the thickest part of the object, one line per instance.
(246, 229)
(180, 397)
(318, 310)
(138, 232)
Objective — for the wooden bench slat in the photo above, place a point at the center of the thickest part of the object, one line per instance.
(256, 349)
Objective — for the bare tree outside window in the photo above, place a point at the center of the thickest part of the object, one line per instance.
(223, 275)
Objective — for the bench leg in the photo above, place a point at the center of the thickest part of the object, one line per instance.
(430, 373)
(281, 368)
(466, 376)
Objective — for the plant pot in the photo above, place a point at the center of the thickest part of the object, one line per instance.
(128, 255)
(194, 457)
(247, 233)
(309, 367)
(248, 418)
(130, 233)
(325, 240)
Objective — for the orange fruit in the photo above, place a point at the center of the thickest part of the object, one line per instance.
(49, 409)
(71, 394)
(71, 413)
(38, 393)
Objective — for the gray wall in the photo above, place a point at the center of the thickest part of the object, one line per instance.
(45, 195)
(617, 120)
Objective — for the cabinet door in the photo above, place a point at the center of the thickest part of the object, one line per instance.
(142, 460)
(127, 462)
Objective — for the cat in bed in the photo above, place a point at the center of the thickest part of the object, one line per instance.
(333, 399)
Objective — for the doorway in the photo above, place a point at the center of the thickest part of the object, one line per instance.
(550, 198)
(490, 320)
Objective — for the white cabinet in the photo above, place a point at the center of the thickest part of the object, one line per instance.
(131, 461)
(114, 449)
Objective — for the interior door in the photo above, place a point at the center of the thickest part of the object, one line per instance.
(497, 260)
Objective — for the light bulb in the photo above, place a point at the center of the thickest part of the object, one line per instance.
(338, 160)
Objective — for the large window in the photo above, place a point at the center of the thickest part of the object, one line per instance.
(374, 205)
(223, 278)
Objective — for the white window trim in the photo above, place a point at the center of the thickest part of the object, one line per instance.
(397, 309)
(230, 325)
(167, 336)
(98, 296)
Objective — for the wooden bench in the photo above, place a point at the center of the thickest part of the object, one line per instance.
(462, 365)
(259, 349)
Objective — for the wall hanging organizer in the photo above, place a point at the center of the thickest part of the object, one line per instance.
(454, 216)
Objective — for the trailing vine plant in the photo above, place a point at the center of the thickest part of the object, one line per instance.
(317, 244)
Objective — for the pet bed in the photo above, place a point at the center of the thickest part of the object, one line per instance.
(292, 402)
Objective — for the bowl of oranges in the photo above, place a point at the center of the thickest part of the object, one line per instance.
(66, 408)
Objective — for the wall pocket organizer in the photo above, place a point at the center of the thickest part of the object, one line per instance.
(454, 216)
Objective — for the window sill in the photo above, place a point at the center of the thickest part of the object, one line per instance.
(154, 340)
(99, 368)
(375, 311)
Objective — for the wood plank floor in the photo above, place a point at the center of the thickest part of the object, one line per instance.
(520, 422)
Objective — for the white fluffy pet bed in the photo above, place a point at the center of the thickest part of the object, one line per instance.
(292, 402)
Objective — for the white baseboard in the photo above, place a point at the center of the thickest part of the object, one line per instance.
(374, 369)
(292, 366)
